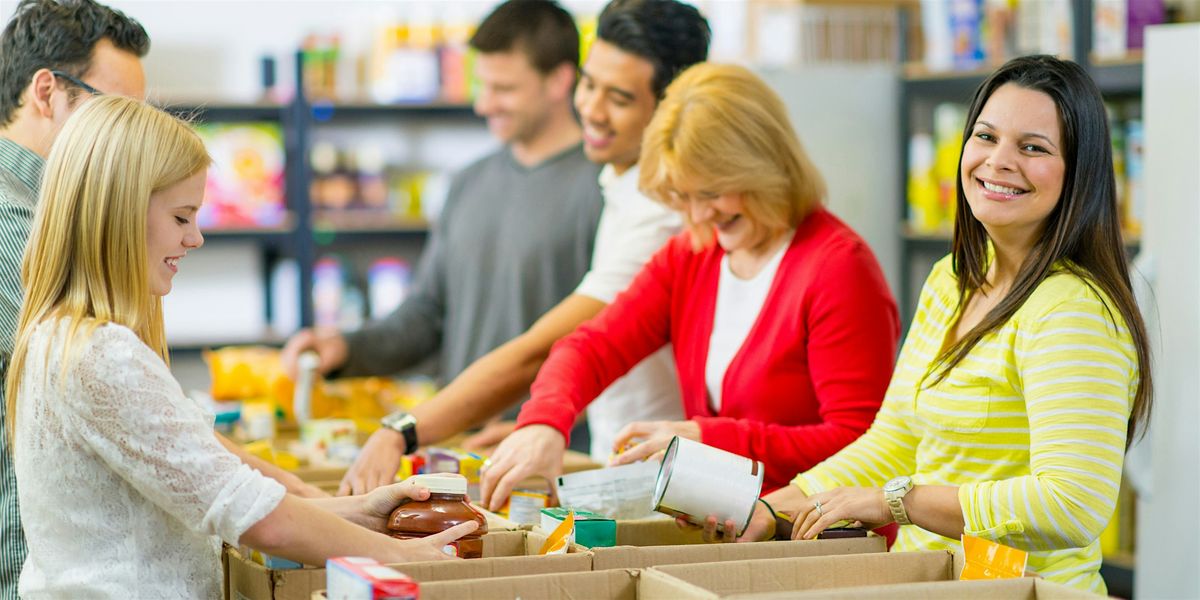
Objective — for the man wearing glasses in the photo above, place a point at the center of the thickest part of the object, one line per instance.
(53, 57)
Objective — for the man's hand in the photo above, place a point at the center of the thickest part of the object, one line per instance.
(376, 464)
(492, 434)
(656, 436)
(531, 450)
(329, 344)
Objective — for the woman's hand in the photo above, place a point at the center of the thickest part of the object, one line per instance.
(760, 528)
(431, 547)
(656, 435)
(372, 510)
(863, 506)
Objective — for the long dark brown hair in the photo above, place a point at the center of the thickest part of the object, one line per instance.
(1082, 234)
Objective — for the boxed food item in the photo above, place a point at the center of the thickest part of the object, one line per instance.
(591, 530)
(357, 578)
(505, 553)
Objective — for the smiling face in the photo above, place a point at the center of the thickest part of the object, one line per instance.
(616, 101)
(171, 229)
(513, 96)
(735, 230)
(1013, 163)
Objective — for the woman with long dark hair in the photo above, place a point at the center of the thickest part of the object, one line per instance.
(1026, 372)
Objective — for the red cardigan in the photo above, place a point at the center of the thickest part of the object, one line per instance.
(807, 381)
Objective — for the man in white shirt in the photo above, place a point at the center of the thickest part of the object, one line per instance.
(641, 46)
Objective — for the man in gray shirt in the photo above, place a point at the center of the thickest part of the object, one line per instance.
(517, 230)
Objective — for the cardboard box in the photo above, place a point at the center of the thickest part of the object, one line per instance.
(609, 585)
(1025, 588)
(506, 553)
(655, 532)
(786, 576)
(633, 557)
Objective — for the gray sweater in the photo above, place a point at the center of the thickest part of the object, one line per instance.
(511, 243)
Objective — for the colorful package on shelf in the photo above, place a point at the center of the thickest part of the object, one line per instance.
(245, 182)
(1045, 27)
(1135, 198)
(998, 33)
(939, 41)
(966, 17)
(1109, 21)
(1142, 14)
(924, 199)
(949, 120)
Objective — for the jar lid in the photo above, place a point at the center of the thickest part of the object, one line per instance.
(441, 483)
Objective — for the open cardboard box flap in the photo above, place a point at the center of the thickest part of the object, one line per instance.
(614, 585)
(713, 581)
(1025, 588)
(506, 553)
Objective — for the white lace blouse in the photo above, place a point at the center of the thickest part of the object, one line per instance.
(124, 489)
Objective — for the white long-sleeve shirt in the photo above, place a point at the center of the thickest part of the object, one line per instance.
(632, 228)
(124, 489)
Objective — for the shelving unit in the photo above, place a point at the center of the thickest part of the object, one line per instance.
(305, 229)
(1119, 79)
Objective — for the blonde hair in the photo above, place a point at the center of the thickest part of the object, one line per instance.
(721, 129)
(86, 259)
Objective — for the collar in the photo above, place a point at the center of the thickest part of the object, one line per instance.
(23, 163)
(627, 181)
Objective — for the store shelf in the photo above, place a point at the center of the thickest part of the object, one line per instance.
(326, 111)
(267, 337)
(350, 225)
(205, 111)
(1121, 77)
(277, 233)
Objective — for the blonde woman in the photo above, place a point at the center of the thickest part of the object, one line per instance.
(782, 327)
(124, 490)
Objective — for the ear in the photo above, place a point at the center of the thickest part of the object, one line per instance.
(41, 88)
(562, 81)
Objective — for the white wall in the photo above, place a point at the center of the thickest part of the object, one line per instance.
(846, 118)
(1168, 521)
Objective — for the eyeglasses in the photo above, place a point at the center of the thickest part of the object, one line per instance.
(77, 83)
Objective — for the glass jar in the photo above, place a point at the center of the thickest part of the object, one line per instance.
(446, 507)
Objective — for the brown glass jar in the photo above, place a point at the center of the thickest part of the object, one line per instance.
(446, 507)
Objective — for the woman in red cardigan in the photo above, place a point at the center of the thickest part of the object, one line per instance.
(783, 330)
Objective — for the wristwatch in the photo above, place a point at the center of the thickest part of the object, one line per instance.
(893, 494)
(406, 425)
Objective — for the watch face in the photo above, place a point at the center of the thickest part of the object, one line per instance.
(896, 484)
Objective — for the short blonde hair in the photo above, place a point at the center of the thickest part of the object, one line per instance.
(86, 259)
(722, 129)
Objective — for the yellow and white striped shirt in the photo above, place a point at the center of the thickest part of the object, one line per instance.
(1030, 425)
